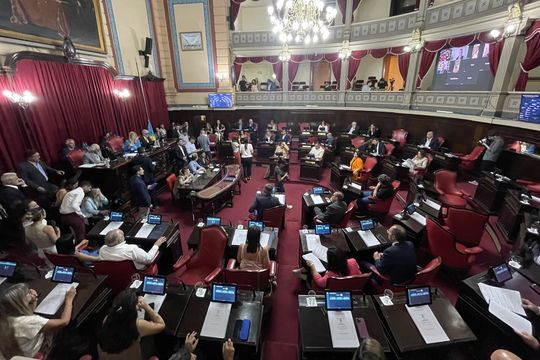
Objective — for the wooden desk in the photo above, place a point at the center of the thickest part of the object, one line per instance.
(346, 155)
(265, 151)
(512, 214)
(311, 169)
(415, 230)
(114, 180)
(490, 193)
(308, 205)
(315, 338)
(493, 333)
(359, 246)
(232, 250)
(200, 182)
(336, 239)
(338, 174)
(404, 335)
(273, 162)
(246, 307)
(92, 295)
(94, 234)
(443, 160)
(174, 306)
(394, 170)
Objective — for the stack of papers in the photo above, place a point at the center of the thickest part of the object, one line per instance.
(240, 236)
(368, 238)
(355, 185)
(344, 167)
(281, 198)
(264, 240)
(321, 252)
(216, 320)
(315, 260)
(418, 218)
(113, 225)
(157, 300)
(317, 199)
(427, 324)
(55, 299)
(507, 298)
(516, 322)
(312, 241)
(87, 166)
(342, 329)
(432, 204)
(145, 230)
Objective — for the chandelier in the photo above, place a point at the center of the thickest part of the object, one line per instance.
(285, 54)
(304, 21)
(416, 43)
(22, 100)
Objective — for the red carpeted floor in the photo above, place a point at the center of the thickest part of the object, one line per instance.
(280, 332)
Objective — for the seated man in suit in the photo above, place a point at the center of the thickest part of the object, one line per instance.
(92, 155)
(373, 131)
(146, 142)
(263, 201)
(35, 174)
(139, 192)
(353, 129)
(377, 148)
(10, 193)
(116, 249)
(334, 212)
(430, 141)
(317, 151)
(398, 261)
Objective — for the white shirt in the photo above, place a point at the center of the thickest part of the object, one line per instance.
(427, 142)
(246, 150)
(27, 331)
(318, 153)
(125, 251)
(72, 202)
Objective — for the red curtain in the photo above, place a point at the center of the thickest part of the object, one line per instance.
(238, 67)
(293, 69)
(354, 63)
(495, 51)
(428, 55)
(335, 63)
(403, 64)
(233, 13)
(277, 67)
(532, 56)
(75, 101)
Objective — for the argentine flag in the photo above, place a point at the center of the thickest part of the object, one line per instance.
(150, 129)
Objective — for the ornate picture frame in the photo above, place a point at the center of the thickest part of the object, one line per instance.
(191, 41)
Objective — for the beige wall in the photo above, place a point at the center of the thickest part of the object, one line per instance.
(369, 66)
(261, 71)
(372, 10)
(253, 18)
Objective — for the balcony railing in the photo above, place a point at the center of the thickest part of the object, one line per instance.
(260, 39)
(392, 26)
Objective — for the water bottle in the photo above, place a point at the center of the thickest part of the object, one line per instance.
(273, 190)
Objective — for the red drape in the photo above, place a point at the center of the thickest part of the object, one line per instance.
(238, 67)
(233, 13)
(354, 63)
(403, 64)
(532, 56)
(495, 51)
(293, 69)
(278, 70)
(342, 5)
(75, 101)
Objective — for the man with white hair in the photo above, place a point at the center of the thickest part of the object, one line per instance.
(146, 142)
(93, 155)
(116, 249)
(10, 193)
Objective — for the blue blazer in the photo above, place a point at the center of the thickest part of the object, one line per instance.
(139, 192)
(398, 262)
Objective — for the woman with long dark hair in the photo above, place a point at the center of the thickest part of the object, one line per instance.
(252, 255)
(121, 331)
(246, 154)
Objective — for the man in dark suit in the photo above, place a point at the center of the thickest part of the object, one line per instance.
(10, 194)
(146, 162)
(146, 142)
(139, 192)
(181, 153)
(377, 147)
(354, 129)
(264, 201)
(35, 174)
(430, 141)
(176, 132)
(334, 212)
(399, 260)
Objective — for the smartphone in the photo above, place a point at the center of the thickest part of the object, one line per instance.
(535, 288)
(361, 327)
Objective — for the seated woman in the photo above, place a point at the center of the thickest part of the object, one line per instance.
(356, 165)
(121, 333)
(43, 236)
(338, 266)
(94, 204)
(251, 255)
(323, 127)
(419, 162)
(272, 126)
(203, 160)
(23, 333)
(282, 150)
(383, 190)
(132, 144)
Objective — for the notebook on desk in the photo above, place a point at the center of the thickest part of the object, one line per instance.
(340, 320)
(219, 310)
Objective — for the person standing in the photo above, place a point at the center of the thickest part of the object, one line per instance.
(139, 192)
(70, 211)
(246, 154)
(204, 144)
(281, 174)
(494, 145)
(35, 174)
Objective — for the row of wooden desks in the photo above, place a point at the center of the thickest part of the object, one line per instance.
(391, 325)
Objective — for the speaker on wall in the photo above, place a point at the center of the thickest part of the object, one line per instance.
(148, 46)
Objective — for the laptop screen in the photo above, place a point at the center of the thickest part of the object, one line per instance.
(501, 273)
(367, 224)
(156, 285)
(154, 219)
(323, 229)
(410, 209)
(63, 274)
(258, 224)
(338, 300)
(7, 268)
(317, 190)
(116, 216)
(225, 293)
(213, 221)
(417, 296)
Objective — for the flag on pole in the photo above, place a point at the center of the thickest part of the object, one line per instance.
(150, 129)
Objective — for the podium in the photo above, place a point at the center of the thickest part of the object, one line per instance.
(490, 193)
(310, 169)
(338, 176)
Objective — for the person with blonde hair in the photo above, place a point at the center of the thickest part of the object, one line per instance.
(282, 150)
(94, 203)
(21, 332)
(42, 235)
(132, 143)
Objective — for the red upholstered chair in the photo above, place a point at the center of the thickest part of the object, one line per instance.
(312, 140)
(363, 175)
(353, 283)
(389, 149)
(441, 140)
(275, 216)
(75, 157)
(467, 225)
(259, 280)
(281, 126)
(170, 180)
(69, 261)
(400, 136)
(442, 242)
(532, 187)
(232, 135)
(358, 141)
(347, 216)
(381, 207)
(213, 139)
(116, 143)
(304, 126)
(449, 194)
(120, 273)
(206, 263)
(424, 276)
(421, 173)
(469, 161)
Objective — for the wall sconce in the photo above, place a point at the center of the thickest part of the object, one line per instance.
(221, 77)
(285, 54)
(345, 51)
(122, 94)
(22, 100)
(416, 43)
(511, 25)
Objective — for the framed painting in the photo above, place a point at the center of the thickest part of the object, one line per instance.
(49, 21)
(191, 41)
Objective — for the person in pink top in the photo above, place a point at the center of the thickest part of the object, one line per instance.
(338, 266)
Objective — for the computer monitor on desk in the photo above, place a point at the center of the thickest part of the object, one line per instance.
(257, 224)
(154, 219)
(63, 274)
(367, 224)
(418, 295)
(154, 285)
(500, 273)
(338, 300)
(317, 190)
(224, 293)
(7, 269)
(211, 220)
(116, 216)
(323, 229)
